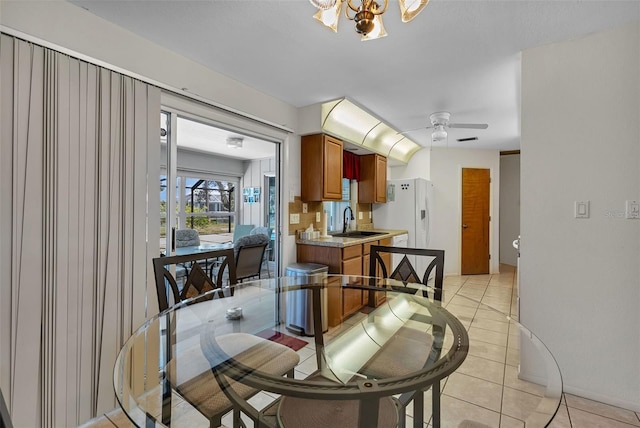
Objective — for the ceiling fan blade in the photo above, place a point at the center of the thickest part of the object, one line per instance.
(414, 129)
(468, 125)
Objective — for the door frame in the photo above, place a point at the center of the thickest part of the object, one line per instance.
(209, 115)
(492, 216)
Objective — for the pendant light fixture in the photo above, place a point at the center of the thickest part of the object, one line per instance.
(367, 14)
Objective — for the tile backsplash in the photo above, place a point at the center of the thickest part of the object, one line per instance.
(364, 223)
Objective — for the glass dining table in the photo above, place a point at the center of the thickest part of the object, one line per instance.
(390, 359)
(202, 248)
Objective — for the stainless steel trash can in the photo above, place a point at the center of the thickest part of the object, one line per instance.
(299, 303)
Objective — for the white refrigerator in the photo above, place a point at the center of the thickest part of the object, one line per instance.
(409, 206)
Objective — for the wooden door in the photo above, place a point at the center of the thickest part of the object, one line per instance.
(475, 221)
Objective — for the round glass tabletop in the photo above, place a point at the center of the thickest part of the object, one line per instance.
(394, 351)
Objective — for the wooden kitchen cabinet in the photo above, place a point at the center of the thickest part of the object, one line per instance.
(321, 168)
(349, 260)
(372, 186)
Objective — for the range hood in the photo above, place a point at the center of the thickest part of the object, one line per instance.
(346, 120)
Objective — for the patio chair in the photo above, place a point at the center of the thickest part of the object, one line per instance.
(241, 230)
(263, 230)
(249, 253)
(190, 375)
(187, 238)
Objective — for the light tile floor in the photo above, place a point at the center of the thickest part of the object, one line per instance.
(498, 291)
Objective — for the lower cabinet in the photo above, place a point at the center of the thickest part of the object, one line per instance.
(351, 265)
(351, 260)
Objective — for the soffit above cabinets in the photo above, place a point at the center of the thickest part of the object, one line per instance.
(346, 120)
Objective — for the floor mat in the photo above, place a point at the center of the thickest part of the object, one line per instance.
(283, 339)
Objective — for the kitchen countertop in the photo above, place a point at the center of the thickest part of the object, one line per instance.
(348, 241)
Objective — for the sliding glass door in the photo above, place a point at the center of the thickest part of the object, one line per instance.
(212, 180)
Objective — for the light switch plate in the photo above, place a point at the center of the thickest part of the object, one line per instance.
(318, 216)
(582, 209)
(294, 218)
(305, 208)
(360, 215)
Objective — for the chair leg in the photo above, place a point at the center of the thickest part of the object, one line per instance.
(215, 421)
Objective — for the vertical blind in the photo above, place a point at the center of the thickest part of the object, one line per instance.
(76, 189)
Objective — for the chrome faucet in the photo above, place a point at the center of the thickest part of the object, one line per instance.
(345, 222)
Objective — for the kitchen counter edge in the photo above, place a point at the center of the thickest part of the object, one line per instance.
(347, 242)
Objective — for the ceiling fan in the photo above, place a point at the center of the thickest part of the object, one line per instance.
(440, 123)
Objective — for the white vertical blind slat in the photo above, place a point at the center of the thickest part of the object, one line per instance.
(6, 182)
(27, 225)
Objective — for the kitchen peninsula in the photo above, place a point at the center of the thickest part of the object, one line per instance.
(348, 255)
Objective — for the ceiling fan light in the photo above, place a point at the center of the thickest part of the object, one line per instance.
(323, 4)
(329, 17)
(235, 142)
(439, 134)
(409, 9)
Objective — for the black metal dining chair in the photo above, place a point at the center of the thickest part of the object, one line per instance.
(198, 273)
(406, 272)
(190, 375)
(420, 348)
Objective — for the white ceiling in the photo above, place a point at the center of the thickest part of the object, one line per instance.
(459, 56)
(201, 137)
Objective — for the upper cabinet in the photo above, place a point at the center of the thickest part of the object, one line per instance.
(321, 168)
(372, 187)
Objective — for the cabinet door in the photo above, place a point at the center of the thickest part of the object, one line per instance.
(372, 187)
(351, 299)
(332, 168)
(381, 180)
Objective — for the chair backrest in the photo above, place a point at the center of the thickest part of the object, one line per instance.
(202, 272)
(187, 238)
(405, 271)
(241, 230)
(262, 230)
(249, 252)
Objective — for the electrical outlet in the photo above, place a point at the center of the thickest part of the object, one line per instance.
(369, 214)
(632, 209)
(360, 215)
(305, 207)
(294, 218)
(318, 216)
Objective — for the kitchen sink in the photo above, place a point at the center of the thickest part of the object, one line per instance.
(356, 234)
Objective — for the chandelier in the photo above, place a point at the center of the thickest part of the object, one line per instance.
(367, 15)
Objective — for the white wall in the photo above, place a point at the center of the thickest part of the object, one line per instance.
(579, 278)
(509, 207)
(419, 166)
(446, 175)
(255, 171)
